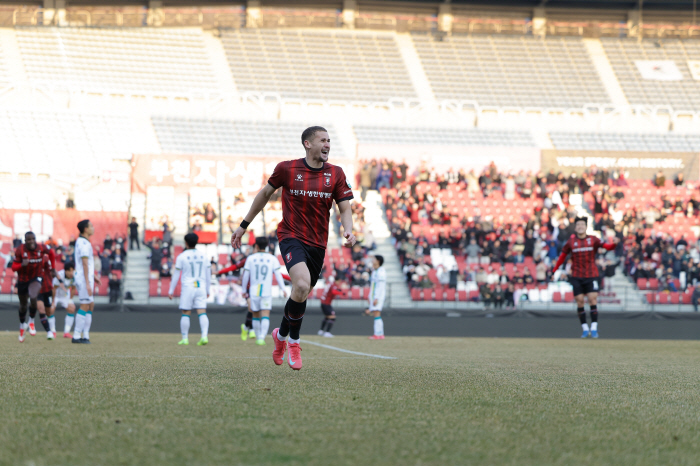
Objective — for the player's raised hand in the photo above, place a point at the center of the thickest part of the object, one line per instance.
(236, 238)
(350, 240)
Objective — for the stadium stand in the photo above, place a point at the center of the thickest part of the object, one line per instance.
(151, 60)
(230, 137)
(366, 67)
(4, 75)
(511, 71)
(626, 141)
(450, 136)
(58, 142)
(683, 94)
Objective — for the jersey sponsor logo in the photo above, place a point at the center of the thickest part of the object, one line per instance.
(288, 257)
(327, 183)
(301, 192)
(299, 177)
(326, 174)
(348, 191)
(582, 249)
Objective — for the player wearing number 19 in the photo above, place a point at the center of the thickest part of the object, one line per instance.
(310, 186)
(195, 270)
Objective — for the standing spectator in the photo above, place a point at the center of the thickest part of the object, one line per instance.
(105, 261)
(156, 253)
(509, 296)
(167, 232)
(473, 252)
(17, 242)
(108, 242)
(679, 180)
(384, 177)
(373, 173)
(498, 297)
(115, 286)
(696, 298)
(134, 234)
(365, 180)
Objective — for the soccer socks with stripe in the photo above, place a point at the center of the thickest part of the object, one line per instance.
(582, 318)
(184, 326)
(256, 326)
(79, 324)
(69, 323)
(378, 326)
(44, 321)
(594, 317)
(52, 323)
(86, 327)
(204, 324)
(264, 328)
(291, 322)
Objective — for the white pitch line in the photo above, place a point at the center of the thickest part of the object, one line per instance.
(378, 356)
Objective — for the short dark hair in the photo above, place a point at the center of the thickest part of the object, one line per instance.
(191, 239)
(82, 225)
(262, 242)
(581, 219)
(310, 132)
(380, 259)
(68, 266)
(29, 233)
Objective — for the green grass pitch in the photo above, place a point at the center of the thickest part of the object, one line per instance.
(139, 399)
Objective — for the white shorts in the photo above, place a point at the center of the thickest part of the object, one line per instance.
(62, 302)
(378, 307)
(193, 298)
(258, 303)
(83, 293)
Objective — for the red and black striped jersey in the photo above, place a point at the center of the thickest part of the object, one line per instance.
(330, 292)
(307, 199)
(583, 252)
(47, 283)
(36, 265)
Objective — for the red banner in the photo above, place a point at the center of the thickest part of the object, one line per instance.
(60, 224)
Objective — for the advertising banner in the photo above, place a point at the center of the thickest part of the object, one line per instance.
(59, 224)
(639, 165)
(507, 159)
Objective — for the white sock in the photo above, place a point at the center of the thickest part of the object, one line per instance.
(290, 341)
(204, 324)
(184, 326)
(280, 337)
(264, 327)
(69, 323)
(88, 322)
(79, 324)
(585, 327)
(256, 327)
(594, 326)
(31, 320)
(52, 323)
(378, 326)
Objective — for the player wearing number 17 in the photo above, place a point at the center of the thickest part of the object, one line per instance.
(310, 185)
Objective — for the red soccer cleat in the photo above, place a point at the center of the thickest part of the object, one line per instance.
(21, 335)
(67, 335)
(294, 356)
(376, 337)
(280, 348)
(32, 329)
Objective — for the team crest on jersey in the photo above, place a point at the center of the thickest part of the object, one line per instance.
(300, 177)
(327, 183)
(575, 243)
(288, 257)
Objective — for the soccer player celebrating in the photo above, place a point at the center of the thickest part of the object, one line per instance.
(584, 272)
(29, 263)
(331, 290)
(195, 270)
(257, 278)
(310, 186)
(48, 321)
(377, 294)
(84, 282)
(63, 289)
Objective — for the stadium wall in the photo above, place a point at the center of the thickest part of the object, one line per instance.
(639, 165)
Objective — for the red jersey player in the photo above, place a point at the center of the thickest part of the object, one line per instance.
(29, 263)
(48, 321)
(310, 186)
(330, 292)
(584, 272)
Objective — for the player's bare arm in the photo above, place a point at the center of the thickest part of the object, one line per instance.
(346, 221)
(259, 203)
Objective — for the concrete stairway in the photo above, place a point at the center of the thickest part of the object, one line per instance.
(137, 275)
(605, 71)
(620, 294)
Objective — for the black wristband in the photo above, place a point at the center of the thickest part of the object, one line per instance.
(244, 224)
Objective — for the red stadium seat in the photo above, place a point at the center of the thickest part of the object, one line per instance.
(6, 287)
(365, 292)
(462, 296)
(687, 298)
(651, 298)
(642, 283)
(569, 297)
(473, 296)
(416, 294)
(663, 298)
(164, 286)
(153, 288)
(556, 297)
(654, 284)
(178, 289)
(356, 293)
(450, 294)
(675, 298)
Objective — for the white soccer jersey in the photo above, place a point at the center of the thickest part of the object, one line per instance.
(68, 283)
(377, 286)
(83, 248)
(259, 268)
(194, 270)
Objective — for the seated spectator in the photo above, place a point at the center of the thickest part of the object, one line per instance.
(108, 242)
(659, 179)
(541, 272)
(498, 297)
(473, 252)
(527, 277)
(481, 276)
(679, 180)
(357, 253)
(115, 286)
(164, 271)
(486, 295)
(509, 296)
(105, 261)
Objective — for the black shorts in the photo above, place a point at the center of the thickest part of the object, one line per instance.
(294, 251)
(45, 298)
(584, 285)
(23, 287)
(327, 310)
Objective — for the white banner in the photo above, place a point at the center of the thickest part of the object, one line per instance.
(659, 70)
(694, 67)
